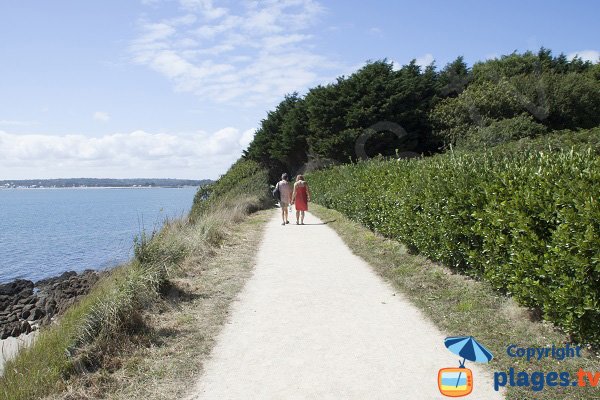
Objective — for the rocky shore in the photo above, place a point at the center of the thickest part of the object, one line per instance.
(25, 305)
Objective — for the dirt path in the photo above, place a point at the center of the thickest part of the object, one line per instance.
(318, 323)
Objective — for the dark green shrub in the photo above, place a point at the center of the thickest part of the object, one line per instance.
(502, 131)
(528, 221)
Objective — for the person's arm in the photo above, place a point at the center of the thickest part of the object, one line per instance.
(307, 192)
(294, 194)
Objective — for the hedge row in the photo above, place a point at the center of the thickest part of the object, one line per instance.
(527, 221)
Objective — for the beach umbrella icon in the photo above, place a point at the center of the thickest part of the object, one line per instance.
(469, 349)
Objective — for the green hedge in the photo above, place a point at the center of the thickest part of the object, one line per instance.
(526, 221)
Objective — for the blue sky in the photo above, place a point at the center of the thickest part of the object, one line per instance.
(175, 88)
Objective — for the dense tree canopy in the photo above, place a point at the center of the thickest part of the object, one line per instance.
(423, 110)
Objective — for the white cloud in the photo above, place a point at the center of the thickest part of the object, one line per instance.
(376, 31)
(138, 153)
(8, 122)
(101, 116)
(247, 138)
(205, 7)
(586, 55)
(150, 2)
(425, 60)
(253, 54)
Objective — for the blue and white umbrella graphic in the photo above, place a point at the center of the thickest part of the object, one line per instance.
(469, 349)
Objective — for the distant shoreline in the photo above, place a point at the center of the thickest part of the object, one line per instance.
(98, 187)
(101, 183)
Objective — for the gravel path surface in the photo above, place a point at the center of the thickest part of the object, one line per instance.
(315, 322)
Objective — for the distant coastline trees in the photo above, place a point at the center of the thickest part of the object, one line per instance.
(101, 182)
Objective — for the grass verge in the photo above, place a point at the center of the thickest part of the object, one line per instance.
(81, 356)
(462, 306)
(163, 361)
(54, 357)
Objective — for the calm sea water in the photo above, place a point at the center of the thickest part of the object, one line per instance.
(44, 232)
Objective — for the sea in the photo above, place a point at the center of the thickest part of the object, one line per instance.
(45, 232)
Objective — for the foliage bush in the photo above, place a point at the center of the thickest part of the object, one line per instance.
(555, 92)
(501, 131)
(528, 221)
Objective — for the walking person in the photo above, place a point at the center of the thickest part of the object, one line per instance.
(285, 192)
(300, 198)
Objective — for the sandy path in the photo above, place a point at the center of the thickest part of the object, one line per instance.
(320, 324)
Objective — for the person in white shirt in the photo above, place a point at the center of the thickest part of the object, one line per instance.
(285, 191)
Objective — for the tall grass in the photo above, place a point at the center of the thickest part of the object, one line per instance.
(111, 311)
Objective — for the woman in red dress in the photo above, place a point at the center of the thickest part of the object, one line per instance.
(300, 197)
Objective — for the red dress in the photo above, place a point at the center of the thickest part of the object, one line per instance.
(301, 198)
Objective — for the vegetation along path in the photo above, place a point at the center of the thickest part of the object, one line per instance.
(314, 321)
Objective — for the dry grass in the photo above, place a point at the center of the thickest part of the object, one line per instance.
(163, 360)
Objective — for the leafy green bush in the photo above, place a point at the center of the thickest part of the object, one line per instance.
(557, 141)
(501, 131)
(528, 221)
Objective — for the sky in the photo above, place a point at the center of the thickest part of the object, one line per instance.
(176, 88)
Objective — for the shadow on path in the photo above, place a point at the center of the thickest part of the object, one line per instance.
(320, 223)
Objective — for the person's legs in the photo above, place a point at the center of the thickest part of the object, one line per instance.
(302, 218)
(283, 211)
(297, 217)
(286, 214)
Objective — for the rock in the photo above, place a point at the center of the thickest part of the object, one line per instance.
(16, 331)
(56, 279)
(41, 303)
(53, 296)
(50, 310)
(25, 327)
(13, 288)
(4, 333)
(35, 315)
(22, 301)
(25, 293)
(5, 301)
(17, 308)
(30, 307)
